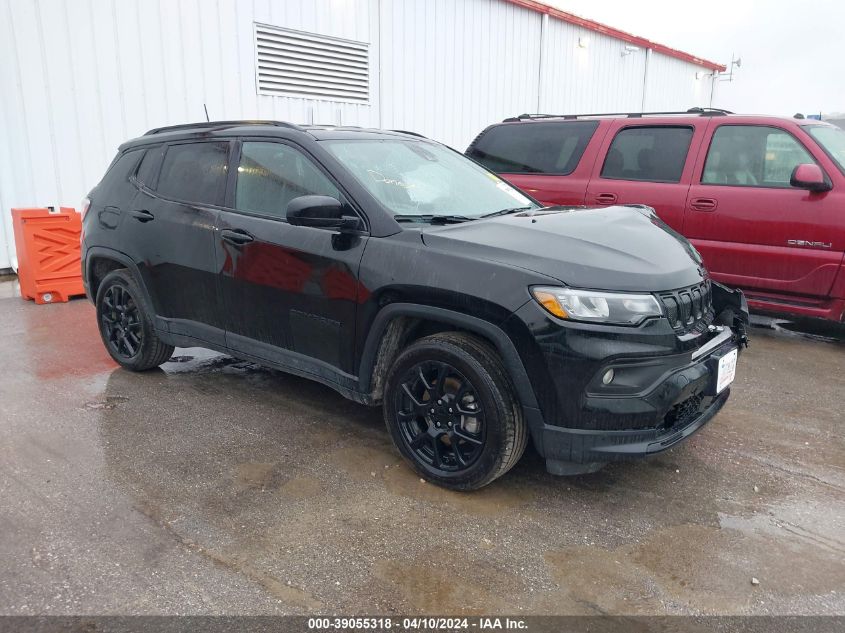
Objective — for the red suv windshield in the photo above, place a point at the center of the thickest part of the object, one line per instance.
(832, 141)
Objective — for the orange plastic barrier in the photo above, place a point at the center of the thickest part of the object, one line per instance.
(47, 243)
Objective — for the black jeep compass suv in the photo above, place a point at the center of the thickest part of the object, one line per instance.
(401, 273)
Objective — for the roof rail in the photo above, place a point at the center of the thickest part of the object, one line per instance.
(630, 115)
(219, 125)
(411, 133)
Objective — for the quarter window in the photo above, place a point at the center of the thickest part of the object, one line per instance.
(270, 175)
(533, 148)
(194, 172)
(146, 171)
(118, 174)
(752, 156)
(653, 154)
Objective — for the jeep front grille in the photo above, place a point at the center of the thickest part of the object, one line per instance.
(689, 309)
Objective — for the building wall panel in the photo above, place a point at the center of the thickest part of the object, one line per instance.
(672, 84)
(596, 77)
(79, 77)
(450, 67)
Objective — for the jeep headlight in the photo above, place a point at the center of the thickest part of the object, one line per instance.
(596, 305)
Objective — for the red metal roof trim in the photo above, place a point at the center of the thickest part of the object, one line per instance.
(598, 27)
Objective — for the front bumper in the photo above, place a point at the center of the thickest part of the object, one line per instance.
(564, 448)
(663, 390)
(675, 408)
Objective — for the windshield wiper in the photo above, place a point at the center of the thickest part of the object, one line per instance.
(433, 219)
(507, 211)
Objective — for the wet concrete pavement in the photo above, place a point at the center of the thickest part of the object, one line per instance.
(214, 486)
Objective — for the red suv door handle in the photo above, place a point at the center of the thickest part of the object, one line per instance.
(605, 198)
(703, 204)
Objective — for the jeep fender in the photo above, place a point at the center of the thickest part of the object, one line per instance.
(102, 252)
(504, 345)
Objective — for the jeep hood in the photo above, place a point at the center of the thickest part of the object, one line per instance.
(611, 248)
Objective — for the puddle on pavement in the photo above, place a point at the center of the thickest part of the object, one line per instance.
(696, 568)
(796, 519)
(109, 402)
(268, 477)
(49, 346)
(443, 581)
(285, 592)
(384, 465)
(300, 488)
(264, 469)
(257, 475)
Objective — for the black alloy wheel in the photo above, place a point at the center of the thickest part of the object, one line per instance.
(440, 417)
(121, 322)
(126, 325)
(452, 411)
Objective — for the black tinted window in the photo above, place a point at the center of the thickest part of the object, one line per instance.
(549, 147)
(118, 174)
(147, 169)
(194, 172)
(270, 175)
(656, 154)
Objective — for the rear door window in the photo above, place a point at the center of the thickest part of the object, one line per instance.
(194, 172)
(546, 147)
(752, 156)
(653, 154)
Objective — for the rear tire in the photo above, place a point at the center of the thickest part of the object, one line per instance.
(452, 411)
(125, 324)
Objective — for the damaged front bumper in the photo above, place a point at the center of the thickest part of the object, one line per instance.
(664, 387)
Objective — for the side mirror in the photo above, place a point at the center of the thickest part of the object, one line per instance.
(809, 176)
(322, 212)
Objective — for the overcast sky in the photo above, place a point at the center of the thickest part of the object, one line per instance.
(793, 52)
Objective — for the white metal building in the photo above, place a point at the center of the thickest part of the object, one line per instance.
(79, 77)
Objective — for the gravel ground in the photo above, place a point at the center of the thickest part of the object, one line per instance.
(213, 486)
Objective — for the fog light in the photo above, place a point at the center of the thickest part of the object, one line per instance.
(608, 377)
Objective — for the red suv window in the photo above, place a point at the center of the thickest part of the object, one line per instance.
(654, 154)
(548, 147)
(752, 156)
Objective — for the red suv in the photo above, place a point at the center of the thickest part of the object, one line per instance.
(762, 198)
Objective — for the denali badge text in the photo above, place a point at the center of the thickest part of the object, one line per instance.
(810, 244)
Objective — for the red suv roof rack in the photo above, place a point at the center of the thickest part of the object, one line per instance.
(630, 115)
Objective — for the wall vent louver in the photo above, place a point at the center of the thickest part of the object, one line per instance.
(310, 66)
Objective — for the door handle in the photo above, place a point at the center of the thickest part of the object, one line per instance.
(142, 215)
(236, 236)
(703, 204)
(605, 198)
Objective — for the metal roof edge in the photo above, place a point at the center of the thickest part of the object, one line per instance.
(618, 34)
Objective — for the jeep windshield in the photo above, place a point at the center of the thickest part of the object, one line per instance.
(425, 182)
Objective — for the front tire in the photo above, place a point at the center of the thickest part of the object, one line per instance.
(452, 412)
(126, 325)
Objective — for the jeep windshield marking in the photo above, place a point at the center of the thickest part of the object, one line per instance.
(420, 178)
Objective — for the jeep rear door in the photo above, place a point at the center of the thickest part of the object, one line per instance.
(169, 232)
(753, 229)
(551, 160)
(648, 161)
